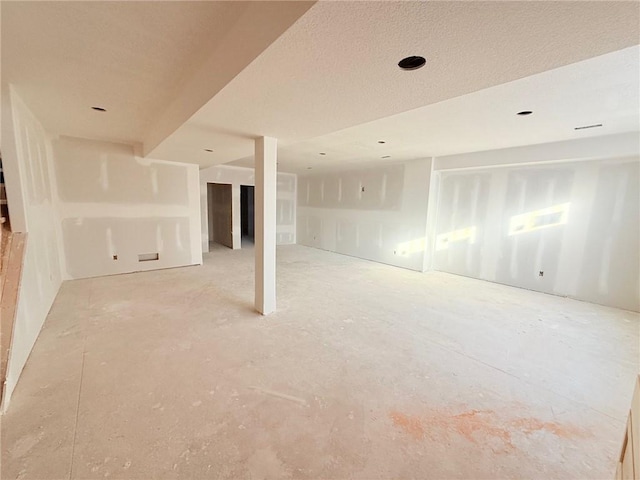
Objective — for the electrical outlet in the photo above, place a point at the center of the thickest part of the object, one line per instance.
(115, 257)
(541, 274)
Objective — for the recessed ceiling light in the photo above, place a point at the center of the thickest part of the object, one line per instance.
(595, 125)
(412, 63)
(524, 113)
(381, 141)
(208, 150)
(99, 109)
(386, 156)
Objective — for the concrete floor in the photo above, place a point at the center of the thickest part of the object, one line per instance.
(366, 371)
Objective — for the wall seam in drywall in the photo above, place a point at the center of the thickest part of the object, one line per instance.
(432, 217)
(41, 272)
(10, 164)
(238, 176)
(55, 197)
(115, 206)
(550, 228)
(386, 222)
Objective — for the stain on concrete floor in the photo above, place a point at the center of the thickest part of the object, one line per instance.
(485, 427)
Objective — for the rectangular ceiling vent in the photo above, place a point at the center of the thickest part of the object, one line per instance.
(148, 257)
(595, 125)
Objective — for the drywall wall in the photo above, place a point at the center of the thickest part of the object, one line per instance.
(566, 228)
(237, 176)
(115, 206)
(378, 213)
(29, 174)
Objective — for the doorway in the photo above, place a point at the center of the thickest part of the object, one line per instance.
(219, 202)
(247, 225)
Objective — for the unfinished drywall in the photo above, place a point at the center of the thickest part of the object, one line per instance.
(237, 176)
(566, 228)
(29, 174)
(115, 207)
(377, 213)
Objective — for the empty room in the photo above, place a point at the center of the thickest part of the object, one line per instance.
(320, 240)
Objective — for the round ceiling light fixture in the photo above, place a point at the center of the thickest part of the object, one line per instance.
(524, 113)
(412, 63)
(99, 109)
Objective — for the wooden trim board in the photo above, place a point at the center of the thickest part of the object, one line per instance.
(635, 427)
(628, 467)
(11, 279)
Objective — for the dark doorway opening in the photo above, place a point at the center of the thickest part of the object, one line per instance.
(219, 200)
(247, 225)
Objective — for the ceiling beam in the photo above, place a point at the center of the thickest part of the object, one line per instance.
(260, 25)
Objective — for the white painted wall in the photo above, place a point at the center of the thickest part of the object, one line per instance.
(493, 217)
(29, 173)
(237, 176)
(385, 223)
(112, 202)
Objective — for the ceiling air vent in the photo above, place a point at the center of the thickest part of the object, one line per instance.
(584, 127)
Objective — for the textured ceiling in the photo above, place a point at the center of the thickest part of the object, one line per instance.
(335, 68)
(135, 58)
(179, 77)
(602, 90)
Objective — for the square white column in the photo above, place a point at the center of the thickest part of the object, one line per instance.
(265, 223)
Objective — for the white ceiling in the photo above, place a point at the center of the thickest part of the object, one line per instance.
(602, 90)
(179, 77)
(134, 58)
(336, 68)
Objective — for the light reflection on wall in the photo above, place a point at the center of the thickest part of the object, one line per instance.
(443, 240)
(405, 249)
(539, 219)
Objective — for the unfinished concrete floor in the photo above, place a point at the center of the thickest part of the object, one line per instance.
(366, 371)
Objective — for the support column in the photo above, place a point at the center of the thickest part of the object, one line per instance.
(236, 216)
(265, 224)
